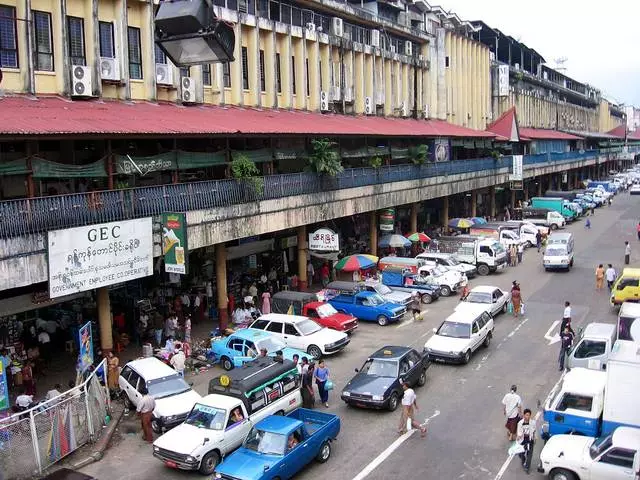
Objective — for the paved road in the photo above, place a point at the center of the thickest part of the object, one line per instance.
(466, 438)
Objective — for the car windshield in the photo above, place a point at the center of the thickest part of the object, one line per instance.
(268, 443)
(167, 386)
(308, 327)
(479, 297)
(452, 261)
(438, 271)
(555, 251)
(600, 445)
(380, 368)
(375, 300)
(202, 416)
(454, 330)
(498, 248)
(382, 289)
(510, 234)
(326, 310)
(271, 344)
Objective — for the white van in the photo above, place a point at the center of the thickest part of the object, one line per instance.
(629, 322)
(592, 349)
(559, 251)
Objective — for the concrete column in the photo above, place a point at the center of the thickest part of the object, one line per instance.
(444, 218)
(492, 201)
(474, 203)
(525, 191)
(104, 319)
(221, 285)
(512, 203)
(414, 218)
(373, 232)
(302, 257)
(540, 180)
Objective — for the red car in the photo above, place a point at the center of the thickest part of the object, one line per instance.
(308, 305)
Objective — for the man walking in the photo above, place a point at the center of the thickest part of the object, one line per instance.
(145, 410)
(409, 406)
(526, 435)
(566, 341)
(566, 318)
(512, 407)
(610, 275)
(520, 252)
(627, 252)
(538, 240)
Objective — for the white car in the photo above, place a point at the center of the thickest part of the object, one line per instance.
(449, 260)
(574, 457)
(461, 334)
(174, 397)
(450, 281)
(634, 190)
(303, 333)
(493, 299)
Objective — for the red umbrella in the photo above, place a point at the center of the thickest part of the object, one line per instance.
(419, 237)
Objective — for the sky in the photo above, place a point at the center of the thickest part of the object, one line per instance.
(601, 40)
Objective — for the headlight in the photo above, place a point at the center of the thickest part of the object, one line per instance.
(156, 449)
(170, 418)
(565, 261)
(190, 459)
(346, 394)
(377, 398)
(218, 475)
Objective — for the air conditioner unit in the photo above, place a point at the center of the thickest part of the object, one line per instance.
(81, 85)
(545, 75)
(337, 27)
(368, 106)
(311, 26)
(375, 38)
(324, 101)
(380, 97)
(348, 94)
(164, 74)
(425, 111)
(109, 69)
(336, 96)
(408, 48)
(188, 90)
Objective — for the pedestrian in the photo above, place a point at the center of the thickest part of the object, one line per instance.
(113, 372)
(321, 376)
(409, 407)
(145, 410)
(566, 341)
(308, 397)
(178, 361)
(157, 328)
(512, 408)
(266, 302)
(44, 341)
(538, 240)
(305, 365)
(566, 314)
(508, 250)
(187, 329)
(520, 250)
(310, 273)
(514, 255)
(593, 209)
(516, 298)
(627, 252)
(279, 357)
(170, 326)
(587, 224)
(525, 436)
(296, 363)
(253, 293)
(638, 230)
(610, 275)
(599, 277)
(28, 380)
(186, 303)
(415, 305)
(5, 359)
(324, 274)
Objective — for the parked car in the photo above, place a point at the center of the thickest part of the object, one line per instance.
(450, 281)
(245, 344)
(378, 383)
(351, 288)
(634, 190)
(403, 281)
(461, 334)
(303, 333)
(492, 298)
(368, 306)
(449, 260)
(174, 397)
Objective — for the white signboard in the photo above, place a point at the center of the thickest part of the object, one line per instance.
(94, 256)
(516, 170)
(503, 80)
(324, 240)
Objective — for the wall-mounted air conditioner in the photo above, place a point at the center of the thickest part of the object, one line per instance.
(375, 38)
(393, 49)
(492, 57)
(311, 26)
(324, 101)
(337, 27)
(368, 106)
(188, 89)
(379, 97)
(81, 85)
(404, 110)
(109, 69)
(164, 74)
(517, 66)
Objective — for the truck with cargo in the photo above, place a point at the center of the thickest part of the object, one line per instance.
(567, 195)
(542, 216)
(488, 255)
(525, 230)
(605, 184)
(404, 281)
(554, 203)
(505, 236)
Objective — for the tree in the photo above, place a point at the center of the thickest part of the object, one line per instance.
(375, 162)
(246, 172)
(324, 158)
(419, 154)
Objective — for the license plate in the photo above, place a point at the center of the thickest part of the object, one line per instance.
(359, 404)
(171, 464)
(441, 360)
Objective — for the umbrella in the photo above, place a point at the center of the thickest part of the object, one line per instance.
(352, 263)
(478, 220)
(419, 237)
(394, 241)
(460, 223)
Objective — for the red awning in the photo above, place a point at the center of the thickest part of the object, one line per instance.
(57, 116)
(634, 135)
(620, 131)
(544, 134)
(506, 127)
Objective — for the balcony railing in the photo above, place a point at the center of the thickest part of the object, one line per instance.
(27, 216)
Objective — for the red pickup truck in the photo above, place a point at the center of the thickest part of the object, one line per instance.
(308, 305)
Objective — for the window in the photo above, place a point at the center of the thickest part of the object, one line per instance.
(245, 68)
(226, 75)
(160, 56)
(8, 34)
(206, 74)
(135, 53)
(75, 27)
(413, 358)
(185, 72)
(293, 74)
(43, 40)
(263, 82)
(107, 44)
(627, 282)
(481, 322)
(260, 324)
(126, 373)
(620, 457)
(475, 328)
(250, 349)
(235, 344)
(590, 348)
(275, 327)
(278, 74)
(290, 330)
(575, 402)
(306, 74)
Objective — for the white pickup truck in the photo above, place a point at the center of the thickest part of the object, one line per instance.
(574, 457)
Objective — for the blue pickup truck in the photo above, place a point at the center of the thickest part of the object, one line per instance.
(429, 290)
(279, 446)
(368, 306)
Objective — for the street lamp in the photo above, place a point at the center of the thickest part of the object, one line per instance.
(189, 33)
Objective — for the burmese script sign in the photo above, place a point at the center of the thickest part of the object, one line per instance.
(94, 256)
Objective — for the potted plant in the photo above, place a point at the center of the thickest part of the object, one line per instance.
(248, 175)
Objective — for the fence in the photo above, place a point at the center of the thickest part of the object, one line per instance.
(34, 440)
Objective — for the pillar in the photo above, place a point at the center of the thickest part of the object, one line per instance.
(373, 232)
(525, 191)
(221, 285)
(104, 319)
(414, 218)
(512, 203)
(474, 203)
(302, 257)
(492, 202)
(540, 180)
(445, 212)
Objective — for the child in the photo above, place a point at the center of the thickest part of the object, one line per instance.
(587, 224)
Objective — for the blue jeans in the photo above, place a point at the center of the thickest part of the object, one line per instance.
(324, 393)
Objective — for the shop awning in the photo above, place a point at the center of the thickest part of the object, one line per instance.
(54, 116)
(546, 134)
(28, 302)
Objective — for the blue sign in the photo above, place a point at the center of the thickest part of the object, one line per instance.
(4, 390)
(86, 347)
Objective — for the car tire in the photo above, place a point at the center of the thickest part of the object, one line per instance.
(426, 299)
(324, 453)
(571, 263)
(209, 463)
(155, 426)
(382, 320)
(528, 244)
(314, 351)
(422, 379)
(554, 226)
(392, 405)
(487, 340)
(467, 357)
(505, 307)
(483, 270)
(562, 474)
(445, 290)
(128, 404)
(226, 363)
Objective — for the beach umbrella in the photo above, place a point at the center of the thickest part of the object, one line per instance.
(352, 263)
(478, 220)
(394, 241)
(460, 223)
(419, 237)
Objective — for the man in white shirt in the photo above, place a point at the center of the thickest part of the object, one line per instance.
(310, 273)
(178, 361)
(610, 275)
(526, 435)
(566, 318)
(512, 406)
(145, 409)
(45, 345)
(627, 253)
(24, 401)
(409, 406)
(55, 392)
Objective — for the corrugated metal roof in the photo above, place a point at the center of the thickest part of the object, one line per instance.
(620, 131)
(585, 134)
(503, 126)
(545, 134)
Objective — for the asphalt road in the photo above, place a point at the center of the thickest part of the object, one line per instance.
(466, 437)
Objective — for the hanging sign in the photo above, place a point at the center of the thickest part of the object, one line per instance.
(387, 220)
(324, 240)
(86, 347)
(516, 168)
(503, 80)
(174, 242)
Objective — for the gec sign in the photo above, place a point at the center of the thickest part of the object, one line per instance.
(324, 240)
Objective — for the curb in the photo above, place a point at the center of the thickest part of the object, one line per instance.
(101, 444)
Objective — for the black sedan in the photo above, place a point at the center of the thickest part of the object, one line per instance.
(378, 383)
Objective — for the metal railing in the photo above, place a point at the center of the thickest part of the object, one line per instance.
(34, 215)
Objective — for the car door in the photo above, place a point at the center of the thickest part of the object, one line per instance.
(362, 310)
(499, 299)
(131, 387)
(476, 334)
(293, 338)
(614, 464)
(415, 367)
(234, 432)
(296, 457)
(628, 289)
(589, 353)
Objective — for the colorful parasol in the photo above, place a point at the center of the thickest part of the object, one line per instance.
(419, 237)
(394, 241)
(478, 220)
(352, 263)
(460, 223)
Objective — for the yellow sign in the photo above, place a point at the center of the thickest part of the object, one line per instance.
(225, 381)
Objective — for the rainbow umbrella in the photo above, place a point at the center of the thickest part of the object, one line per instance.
(352, 263)
(394, 241)
(460, 223)
(478, 220)
(419, 237)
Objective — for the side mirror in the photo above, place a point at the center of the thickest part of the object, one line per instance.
(204, 442)
(266, 467)
(356, 370)
(435, 330)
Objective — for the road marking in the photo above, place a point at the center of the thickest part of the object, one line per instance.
(375, 463)
(513, 332)
(504, 467)
(411, 320)
(556, 337)
(482, 362)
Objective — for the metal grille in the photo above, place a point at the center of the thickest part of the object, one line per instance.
(17, 457)
(8, 44)
(76, 40)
